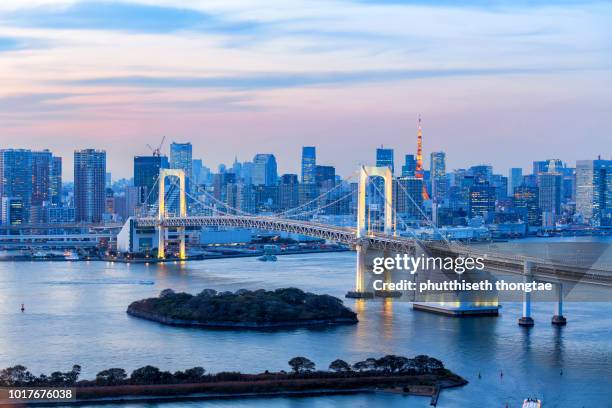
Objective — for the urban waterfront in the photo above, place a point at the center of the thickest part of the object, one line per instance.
(75, 313)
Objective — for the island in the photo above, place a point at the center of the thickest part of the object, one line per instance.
(243, 309)
(420, 375)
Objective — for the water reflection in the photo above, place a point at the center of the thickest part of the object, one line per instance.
(83, 320)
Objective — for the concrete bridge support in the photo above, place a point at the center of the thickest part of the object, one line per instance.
(527, 320)
(360, 272)
(558, 319)
(387, 278)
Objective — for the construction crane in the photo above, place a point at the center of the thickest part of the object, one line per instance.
(157, 151)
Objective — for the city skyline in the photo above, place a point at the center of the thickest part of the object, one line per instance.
(520, 76)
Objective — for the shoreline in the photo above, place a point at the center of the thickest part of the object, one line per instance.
(232, 325)
(256, 388)
(21, 258)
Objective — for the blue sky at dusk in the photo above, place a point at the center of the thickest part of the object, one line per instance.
(498, 82)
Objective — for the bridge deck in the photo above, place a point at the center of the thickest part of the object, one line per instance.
(542, 269)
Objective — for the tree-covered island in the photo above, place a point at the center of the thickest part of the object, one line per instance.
(287, 307)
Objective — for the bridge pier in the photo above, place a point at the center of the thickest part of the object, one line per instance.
(526, 320)
(558, 319)
(387, 279)
(360, 271)
(161, 241)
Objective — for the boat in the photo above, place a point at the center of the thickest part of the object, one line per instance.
(146, 282)
(267, 257)
(70, 256)
(269, 251)
(532, 403)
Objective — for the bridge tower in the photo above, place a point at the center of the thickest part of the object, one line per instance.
(361, 247)
(365, 174)
(161, 212)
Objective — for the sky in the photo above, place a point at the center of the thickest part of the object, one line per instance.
(502, 83)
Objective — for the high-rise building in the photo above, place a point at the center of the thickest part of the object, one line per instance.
(325, 176)
(515, 179)
(247, 172)
(289, 191)
(550, 186)
(146, 173)
(540, 166)
(309, 162)
(482, 200)
(245, 198)
(409, 167)
(527, 204)
(196, 171)
(89, 185)
(264, 170)
(408, 194)
(237, 168)
(16, 177)
(594, 191)
(181, 158)
(501, 186)
(11, 211)
(56, 181)
(42, 163)
(547, 166)
(307, 193)
(384, 158)
(135, 197)
(482, 173)
(438, 176)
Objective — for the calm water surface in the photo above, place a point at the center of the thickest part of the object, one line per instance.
(75, 313)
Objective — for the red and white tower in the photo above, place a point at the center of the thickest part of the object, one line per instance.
(419, 159)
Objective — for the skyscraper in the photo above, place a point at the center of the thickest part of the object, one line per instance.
(515, 179)
(482, 173)
(56, 180)
(526, 203)
(309, 162)
(146, 172)
(594, 191)
(16, 177)
(89, 185)
(42, 163)
(409, 167)
(288, 193)
(325, 176)
(181, 158)
(482, 200)
(550, 193)
(264, 170)
(11, 211)
(408, 195)
(546, 166)
(438, 176)
(196, 171)
(384, 158)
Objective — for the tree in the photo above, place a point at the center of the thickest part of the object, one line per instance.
(146, 375)
(391, 363)
(15, 375)
(340, 366)
(57, 378)
(72, 376)
(301, 365)
(195, 373)
(421, 362)
(111, 376)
